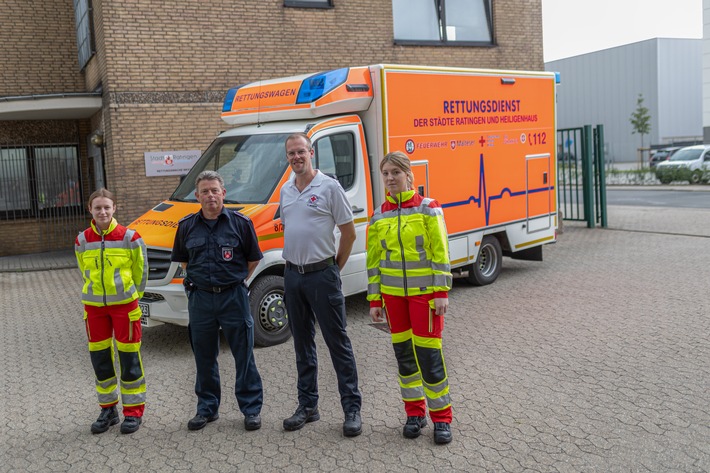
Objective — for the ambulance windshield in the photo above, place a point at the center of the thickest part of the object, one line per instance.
(251, 167)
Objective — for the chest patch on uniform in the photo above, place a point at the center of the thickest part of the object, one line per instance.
(312, 201)
(227, 253)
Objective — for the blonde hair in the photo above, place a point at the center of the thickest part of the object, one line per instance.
(101, 193)
(400, 160)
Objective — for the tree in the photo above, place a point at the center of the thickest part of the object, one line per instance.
(641, 121)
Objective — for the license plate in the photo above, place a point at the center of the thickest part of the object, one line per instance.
(145, 313)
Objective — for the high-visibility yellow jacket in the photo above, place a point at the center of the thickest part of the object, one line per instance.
(114, 264)
(407, 249)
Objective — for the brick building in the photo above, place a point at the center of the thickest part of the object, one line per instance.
(88, 86)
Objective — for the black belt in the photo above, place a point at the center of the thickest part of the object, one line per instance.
(217, 289)
(309, 268)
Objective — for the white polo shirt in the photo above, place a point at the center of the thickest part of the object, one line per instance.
(310, 217)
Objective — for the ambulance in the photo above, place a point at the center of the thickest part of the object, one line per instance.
(481, 142)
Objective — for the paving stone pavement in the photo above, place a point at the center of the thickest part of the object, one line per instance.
(596, 359)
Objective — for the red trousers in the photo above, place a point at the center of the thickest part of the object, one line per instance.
(416, 339)
(123, 322)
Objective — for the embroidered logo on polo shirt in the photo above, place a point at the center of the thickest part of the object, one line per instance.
(312, 201)
(227, 254)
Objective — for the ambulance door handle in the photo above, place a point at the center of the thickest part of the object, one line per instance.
(357, 210)
(544, 178)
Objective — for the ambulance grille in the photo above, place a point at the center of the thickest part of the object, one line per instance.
(158, 264)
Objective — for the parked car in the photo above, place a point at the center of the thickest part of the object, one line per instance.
(690, 164)
(662, 154)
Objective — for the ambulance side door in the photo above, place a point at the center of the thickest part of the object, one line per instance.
(340, 151)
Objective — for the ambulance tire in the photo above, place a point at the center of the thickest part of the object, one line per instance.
(266, 301)
(488, 264)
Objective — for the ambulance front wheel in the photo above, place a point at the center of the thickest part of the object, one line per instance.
(490, 260)
(266, 301)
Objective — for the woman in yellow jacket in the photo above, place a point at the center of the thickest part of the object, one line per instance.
(409, 276)
(113, 262)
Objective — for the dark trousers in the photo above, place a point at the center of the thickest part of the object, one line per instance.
(318, 295)
(229, 310)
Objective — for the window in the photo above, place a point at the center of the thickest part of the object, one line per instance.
(38, 180)
(251, 166)
(84, 33)
(309, 3)
(447, 22)
(14, 180)
(335, 155)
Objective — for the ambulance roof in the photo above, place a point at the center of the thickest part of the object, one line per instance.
(302, 97)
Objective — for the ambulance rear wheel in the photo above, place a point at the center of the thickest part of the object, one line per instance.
(266, 301)
(490, 260)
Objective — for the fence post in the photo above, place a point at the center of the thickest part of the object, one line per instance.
(588, 175)
(599, 145)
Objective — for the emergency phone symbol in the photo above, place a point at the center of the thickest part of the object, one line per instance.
(409, 146)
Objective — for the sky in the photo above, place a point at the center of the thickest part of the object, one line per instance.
(573, 27)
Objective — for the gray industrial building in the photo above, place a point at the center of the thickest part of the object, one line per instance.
(706, 70)
(602, 88)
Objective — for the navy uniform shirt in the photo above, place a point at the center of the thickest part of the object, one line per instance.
(217, 254)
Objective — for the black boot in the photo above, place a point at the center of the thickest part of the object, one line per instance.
(352, 427)
(107, 418)
(130, 424)
(442, 432)
(302, 415)
(413, 428)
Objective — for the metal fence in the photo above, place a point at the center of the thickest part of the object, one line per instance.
(41, 184)
(580, 174)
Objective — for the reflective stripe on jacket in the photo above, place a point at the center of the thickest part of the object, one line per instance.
(407, 249)
(113, 264)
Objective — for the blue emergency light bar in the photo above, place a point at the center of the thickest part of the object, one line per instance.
(229, 98)
(320, 84)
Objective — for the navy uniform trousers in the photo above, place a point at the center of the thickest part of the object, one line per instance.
(230, 310)
(318, 295)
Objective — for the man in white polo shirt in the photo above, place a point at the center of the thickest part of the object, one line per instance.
(312, 205)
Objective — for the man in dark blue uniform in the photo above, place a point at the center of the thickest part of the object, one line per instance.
(219, 249)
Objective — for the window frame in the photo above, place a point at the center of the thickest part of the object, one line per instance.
(323, 4)
(85, 36)
(352, 148)
(32, 158)
(443, 41)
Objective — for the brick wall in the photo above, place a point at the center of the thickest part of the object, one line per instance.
(170, 45)
(38, 52)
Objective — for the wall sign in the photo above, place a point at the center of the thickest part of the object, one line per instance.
(170, 163)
